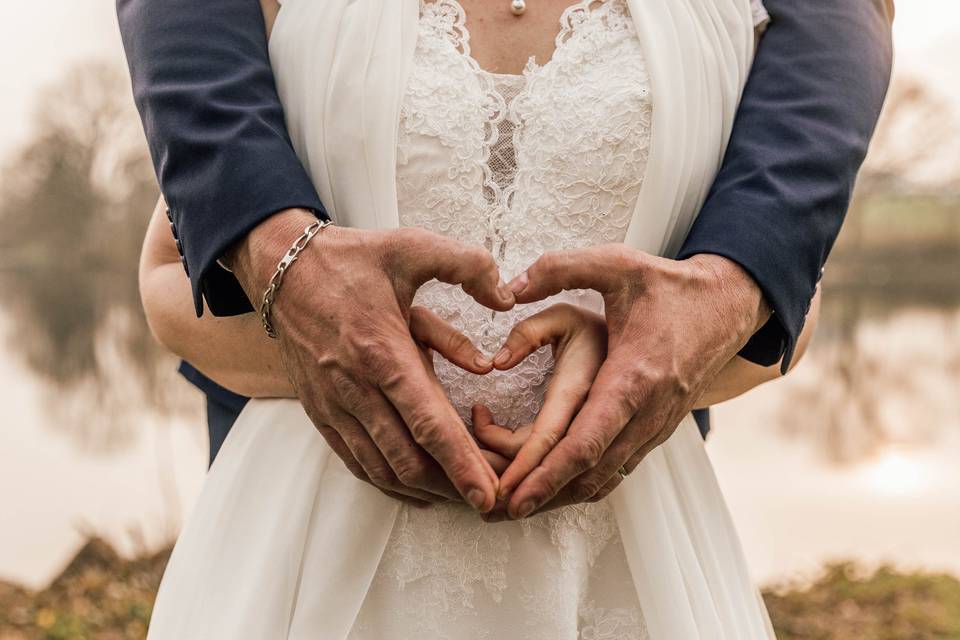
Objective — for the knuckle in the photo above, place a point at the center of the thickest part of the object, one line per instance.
(583, 489)
(550, 438)
(411, 471)
(625, 259)
(357, 471)
(523, 333)
(347, 391)
(667, 381)
(624, 256)
(457, 342)
(589, 451)
(382, 476)
(458, 469)
(375, 364)
(481, 257)
(426, 432)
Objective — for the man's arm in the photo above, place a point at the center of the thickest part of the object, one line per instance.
(205, 90)
(801, 133)
(206, 94)
(802, 130)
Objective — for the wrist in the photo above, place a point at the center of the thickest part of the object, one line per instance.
(737, 286)
(254, 258)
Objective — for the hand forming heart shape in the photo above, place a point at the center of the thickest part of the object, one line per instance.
(578, 339)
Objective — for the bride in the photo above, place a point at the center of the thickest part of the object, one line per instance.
(522, 152)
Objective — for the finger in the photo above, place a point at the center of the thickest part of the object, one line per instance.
(432, 331)
(566, 497)
(637, 457)
(598, 482)
(603, 416)
(421, 256)
(568, 389)
(615, 481)
(528, 335)
(435, 426)
(594, 485)
(598, 267)
(564, 398)
(354, 467)
(504, 441)
(497, 461)
(335, 442)
(411, 465)
(374, 464)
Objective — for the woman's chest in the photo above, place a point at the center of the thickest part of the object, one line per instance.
(554, 156)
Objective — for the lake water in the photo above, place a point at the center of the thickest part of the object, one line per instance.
(854, 455)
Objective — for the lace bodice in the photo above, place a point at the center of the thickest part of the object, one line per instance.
(520, 164)
(551, 159)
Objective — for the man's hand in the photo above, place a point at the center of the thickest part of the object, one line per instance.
(342, 316)
(671, 326)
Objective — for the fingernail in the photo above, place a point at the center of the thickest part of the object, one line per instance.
(502, 357)
(503, 495)
(476, 498)
(526, 509)
(482, 361)
(519, 283)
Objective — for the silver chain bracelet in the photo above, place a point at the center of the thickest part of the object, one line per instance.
(288, 259)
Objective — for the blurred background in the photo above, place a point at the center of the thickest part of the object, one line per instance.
(844, 478)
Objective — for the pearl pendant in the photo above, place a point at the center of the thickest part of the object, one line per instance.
(518, 7)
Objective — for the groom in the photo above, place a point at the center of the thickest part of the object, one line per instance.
(742, 283)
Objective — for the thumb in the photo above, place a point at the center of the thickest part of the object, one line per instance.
(600, 268)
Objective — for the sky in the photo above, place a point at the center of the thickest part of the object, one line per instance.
(46, 37)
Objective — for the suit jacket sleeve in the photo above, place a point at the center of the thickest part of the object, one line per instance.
(802, 130)
(205, 91)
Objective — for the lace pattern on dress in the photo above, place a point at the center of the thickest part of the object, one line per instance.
(553, 159)
(549, 159)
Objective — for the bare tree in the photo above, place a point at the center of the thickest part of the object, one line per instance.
(74, 207)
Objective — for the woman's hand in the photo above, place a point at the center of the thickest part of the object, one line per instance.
(578, 338)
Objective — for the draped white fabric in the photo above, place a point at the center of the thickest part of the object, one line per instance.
(281, 524)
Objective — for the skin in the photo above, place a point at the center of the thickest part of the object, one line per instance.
(577, 337)
(362, 378)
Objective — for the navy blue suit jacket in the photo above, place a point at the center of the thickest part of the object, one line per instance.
(205, 91)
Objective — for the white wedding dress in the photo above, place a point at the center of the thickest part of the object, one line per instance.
(285, 543)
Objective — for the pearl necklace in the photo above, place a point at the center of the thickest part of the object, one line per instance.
(518, 7)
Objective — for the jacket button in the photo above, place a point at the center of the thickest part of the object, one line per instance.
(179, 247)
(173, 230)
(169, 215)
(186, 269)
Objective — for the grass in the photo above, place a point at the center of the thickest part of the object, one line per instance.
(101, 596)
(847, 602)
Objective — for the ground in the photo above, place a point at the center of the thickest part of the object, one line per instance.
(101, 596)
